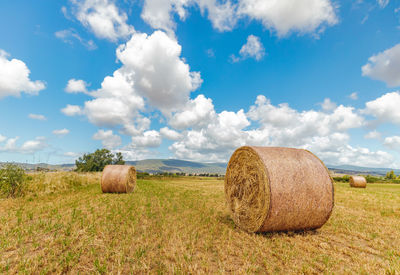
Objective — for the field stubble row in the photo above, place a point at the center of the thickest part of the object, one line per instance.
(182, 225)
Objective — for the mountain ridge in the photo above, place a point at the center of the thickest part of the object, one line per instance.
(192, 167)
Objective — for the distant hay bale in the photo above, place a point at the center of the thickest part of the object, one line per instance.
(118, 179)
(277, 189)
(358, 181)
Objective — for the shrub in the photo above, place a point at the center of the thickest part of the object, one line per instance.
(373, 179)
(12, 181)
(345, 178)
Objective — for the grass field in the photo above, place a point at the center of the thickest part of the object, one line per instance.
(65, 224)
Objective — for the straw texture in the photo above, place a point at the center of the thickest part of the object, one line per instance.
(118, 179)
(276, 189)
(358, 182)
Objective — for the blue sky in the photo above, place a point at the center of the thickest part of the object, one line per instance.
(195, 79)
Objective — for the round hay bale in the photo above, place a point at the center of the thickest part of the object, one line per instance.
(278, 189)
(358, 181)
(118, 179)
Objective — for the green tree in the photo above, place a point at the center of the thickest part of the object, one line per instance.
(390, 175)
(98, 160)
(118, 159)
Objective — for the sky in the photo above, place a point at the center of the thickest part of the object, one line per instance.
(196, 79)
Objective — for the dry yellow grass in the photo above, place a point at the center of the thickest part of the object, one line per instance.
(183, 226)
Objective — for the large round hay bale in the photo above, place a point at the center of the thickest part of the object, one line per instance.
(278, 189)
(358, 181)
(118, 179)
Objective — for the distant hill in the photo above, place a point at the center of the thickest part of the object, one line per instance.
(177, 166)
(183, 166)
(351, 170)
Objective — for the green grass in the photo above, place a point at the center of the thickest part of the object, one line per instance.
(182, 226)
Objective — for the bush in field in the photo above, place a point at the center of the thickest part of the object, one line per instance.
(12, 181)
(372, 179)
(345, 178)
(98, 160)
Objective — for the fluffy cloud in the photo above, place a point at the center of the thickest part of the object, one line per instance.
(324, 133)
(215, 140)
(169, 134)
(28, 147)
(282, 16)
(76, 86)
(71, 110)
(252, 49)
(14, 78)
(285, 16)
(68, 36)
(148, 139)
(328, 105)
(392, 142)
(353, 96)
(385, 108)
(32, 146)
(108, 139)
(222, 15)
(37, 117)
(373, 135)
(197, 113)
(159, 73)
(159, 13)
(384, 66)
(115, 103)
(61, 132)
(103, 18)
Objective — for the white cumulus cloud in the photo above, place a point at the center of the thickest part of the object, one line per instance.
(108, 139)
(148, 139)
(384, 66)
(37, 117)
(76, 86)
(197, 113)
(284, 16)
(159, 14)
(14, 78)
(353, 96)
(373, 135)
(71, 110)
(392, 142)
(159, 73)
(252, 49)
(169, 134)
(385, 108)
(103, 18)
(28, 147)
(61, 132)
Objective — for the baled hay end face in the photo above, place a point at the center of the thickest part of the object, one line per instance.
(276, 189)
(118, 179)
(358, 182)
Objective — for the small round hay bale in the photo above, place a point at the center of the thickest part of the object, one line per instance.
(278, 189)
(358, 182)
(118, 179)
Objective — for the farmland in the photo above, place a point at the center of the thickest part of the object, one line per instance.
(181, 225)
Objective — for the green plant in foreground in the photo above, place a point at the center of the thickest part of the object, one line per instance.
(12, 180)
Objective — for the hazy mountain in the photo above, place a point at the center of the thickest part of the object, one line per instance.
(191, 167)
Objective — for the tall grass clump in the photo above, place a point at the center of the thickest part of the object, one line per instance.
(12, 181)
